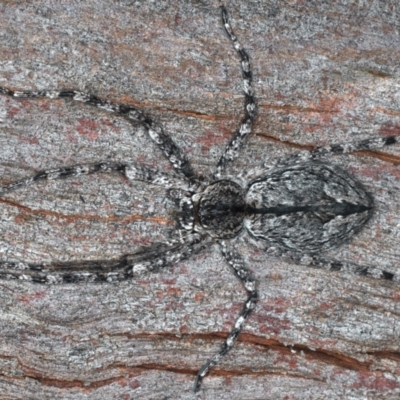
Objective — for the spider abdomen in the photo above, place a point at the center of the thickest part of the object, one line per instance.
(306, 208)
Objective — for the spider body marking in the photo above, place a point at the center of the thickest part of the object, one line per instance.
(304, 207)
(301, 207)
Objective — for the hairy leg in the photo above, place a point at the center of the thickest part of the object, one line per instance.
(171, 151)
(131, 171)
(320, 262)
(343, 148)
(323, 152)
(350, 268)
(240, 137)
(236, 262)
(129, 266)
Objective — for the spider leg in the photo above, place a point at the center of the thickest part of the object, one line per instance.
(151, 259)
(329, 264)
(240, 137)
(64, 272)
(237, 264)
(351, 268)
(325, 151)
(131, 171)
(164, 142)
(343, 148)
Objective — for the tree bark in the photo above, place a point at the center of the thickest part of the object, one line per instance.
(324, 72)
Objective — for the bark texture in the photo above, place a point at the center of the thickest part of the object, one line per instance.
(323, 72)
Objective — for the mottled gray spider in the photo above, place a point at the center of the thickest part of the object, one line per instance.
(299, 208)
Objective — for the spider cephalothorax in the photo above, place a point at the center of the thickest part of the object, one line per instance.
(299, 208)
(221, 209)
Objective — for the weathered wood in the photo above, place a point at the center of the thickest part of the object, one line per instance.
(324, 72)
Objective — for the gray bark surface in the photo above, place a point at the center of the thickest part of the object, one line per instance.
(324, 72)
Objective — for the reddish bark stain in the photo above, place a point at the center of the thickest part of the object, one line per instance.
(123, 382)
(290, 361)
(12, 112)
(169, 281)
(368, 172)
(160, 295)
(20, 219)
(396, 296)
(88, 128)
(389, 129)
(126, 396)
(134, 384)
(199, 296)
(181, 269)
(27, 104)
(377, 171)
(326, 306)
(293, 363)
(174, 292)
(183, 329)
(209, 139)
(377, 230)
(45, 106)
(141, 159)
(227, 381)
(30, 140)
(106, 122)
(31, 297)
(317, 372)
(375, 381)
(142, 282)
(277, 305)
(71, 136)
(271, 325)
